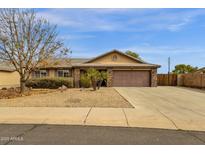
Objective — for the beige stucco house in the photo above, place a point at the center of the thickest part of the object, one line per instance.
(8, 76)
(123, 70)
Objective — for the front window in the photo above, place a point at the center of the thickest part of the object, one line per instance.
(40, 74)
(43, 73)
(63, 73)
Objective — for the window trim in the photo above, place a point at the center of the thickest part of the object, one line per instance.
(63, 73)
(40, 73)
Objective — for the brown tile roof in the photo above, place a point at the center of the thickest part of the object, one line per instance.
(201, 70)
(116, 65)
(61, 62)
(49, 63)
(78, 60)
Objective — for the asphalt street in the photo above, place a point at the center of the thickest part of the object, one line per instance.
(94, 135)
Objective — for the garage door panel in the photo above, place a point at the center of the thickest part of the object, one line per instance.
(128, 78)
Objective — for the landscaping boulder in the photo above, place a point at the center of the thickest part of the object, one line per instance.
(12, 89)
(4, 88)
(63, 88)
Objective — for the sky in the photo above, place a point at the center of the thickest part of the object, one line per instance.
(155, 34)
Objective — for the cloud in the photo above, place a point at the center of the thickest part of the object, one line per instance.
(80, 19)
(165, 50)
(176, 27)
(167, 19)
(58, 17)
(121, 19)
(76, 36)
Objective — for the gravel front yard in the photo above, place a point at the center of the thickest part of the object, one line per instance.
(105, 97)
(14, 93)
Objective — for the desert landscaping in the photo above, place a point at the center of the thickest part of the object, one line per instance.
(10, 93)
(73, 97)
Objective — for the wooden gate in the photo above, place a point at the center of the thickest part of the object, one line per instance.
(167, 80)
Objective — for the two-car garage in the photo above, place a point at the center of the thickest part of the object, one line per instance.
(131, 78)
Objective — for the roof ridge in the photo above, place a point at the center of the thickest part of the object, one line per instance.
(120, 52)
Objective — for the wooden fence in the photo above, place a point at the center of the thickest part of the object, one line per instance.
(195, 80)
(167, 80)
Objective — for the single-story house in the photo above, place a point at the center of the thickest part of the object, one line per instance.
(8, 76)
(123, 70)
(201, 70)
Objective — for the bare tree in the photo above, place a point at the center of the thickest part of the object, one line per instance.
(26, 40)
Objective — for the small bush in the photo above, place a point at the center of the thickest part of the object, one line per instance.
(85, 81)
(50, 83)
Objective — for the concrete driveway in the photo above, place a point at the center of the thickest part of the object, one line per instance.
(165, 107)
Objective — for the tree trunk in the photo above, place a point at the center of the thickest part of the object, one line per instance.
(94, 84)
(100, 84)
(22, 85)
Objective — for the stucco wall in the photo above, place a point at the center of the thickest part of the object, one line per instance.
(51, 73)
(9, 79)
(108, 59)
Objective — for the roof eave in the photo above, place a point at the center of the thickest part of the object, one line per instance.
(4, 70)
(117, 66)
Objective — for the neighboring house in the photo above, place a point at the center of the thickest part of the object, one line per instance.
(8, 76)
(201, 70)
(123, 70)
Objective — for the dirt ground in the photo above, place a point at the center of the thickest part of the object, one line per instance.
(14, 92)
(105, 97)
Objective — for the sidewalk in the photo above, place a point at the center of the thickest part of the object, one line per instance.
(82, 116)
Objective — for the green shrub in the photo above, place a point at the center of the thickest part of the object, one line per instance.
(50, 83)
(85, 81)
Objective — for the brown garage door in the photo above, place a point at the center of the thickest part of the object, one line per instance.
(129, 78)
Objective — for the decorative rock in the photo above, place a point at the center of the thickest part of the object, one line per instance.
(64, 87)
(12, 89)
(4, 88)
